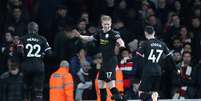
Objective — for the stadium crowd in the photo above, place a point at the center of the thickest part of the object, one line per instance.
(176, 22)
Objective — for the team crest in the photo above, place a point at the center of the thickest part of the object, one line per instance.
(106, 36)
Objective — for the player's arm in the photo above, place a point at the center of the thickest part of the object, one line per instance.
(87, 38)
(119, 44)
(119, 40)
(141, 50)
(83, 37)
(47, 49)
(167, 52)
(20, 48)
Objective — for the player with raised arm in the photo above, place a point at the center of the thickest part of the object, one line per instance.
(152, 51)
(32, 48)
(108, 41)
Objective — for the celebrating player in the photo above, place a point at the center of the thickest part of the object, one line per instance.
(108, 42)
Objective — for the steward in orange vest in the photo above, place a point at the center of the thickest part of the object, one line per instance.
(61, 84)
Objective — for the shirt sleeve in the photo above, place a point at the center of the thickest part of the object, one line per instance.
(141, 50)
(117, 35)
(166, 50)
(46, 45)
(95, 36)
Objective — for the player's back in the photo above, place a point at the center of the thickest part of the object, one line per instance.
(153, 51)
(34, 46)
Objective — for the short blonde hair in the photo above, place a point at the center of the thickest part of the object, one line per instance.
(106, 18)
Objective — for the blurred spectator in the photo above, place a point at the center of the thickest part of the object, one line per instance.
(177, 45)
(103, 7)
(177, 7)
(162, 11)
(66, 44)
(196, 32)
(119, 25)
(16, 4)
(172, 28)
(196, 11)
(86, 81)
(77, 62)
(61, 18)
(85, 16)
(32, 7)
(92, 29)
(121, 10)
(134, 23)
(8, 48)
(197, 82)
(61, 84)
(184, 35)
(12, 82)
(16, 22)
(186, 71)
(144, 10)
(177, 57)
(133, 45)
(82, 27)
(187, 47)
(155, 22)
(127, 66)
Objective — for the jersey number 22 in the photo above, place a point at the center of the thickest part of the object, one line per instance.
(33, 50)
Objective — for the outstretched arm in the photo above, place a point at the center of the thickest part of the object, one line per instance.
(120, 42)
(87, 38)
(84, 37)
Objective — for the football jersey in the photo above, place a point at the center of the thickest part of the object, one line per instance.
(34, 45)
(152, 52)
(107, 42)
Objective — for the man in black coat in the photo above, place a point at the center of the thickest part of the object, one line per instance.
(12, 85)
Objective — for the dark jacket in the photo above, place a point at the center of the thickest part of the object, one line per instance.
(12, 87)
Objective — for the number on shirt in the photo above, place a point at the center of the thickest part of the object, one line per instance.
(32, 48)
(155, 55)
(108, 74)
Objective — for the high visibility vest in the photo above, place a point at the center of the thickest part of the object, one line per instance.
(119, 85)
(61, 85)
(127, 68)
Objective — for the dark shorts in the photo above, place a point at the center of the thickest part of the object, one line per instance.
(107, 75)
(108, 69)
(109, 64)
(33, 72)
(150, 83)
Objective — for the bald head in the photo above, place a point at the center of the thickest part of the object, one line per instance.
(64, 63)
(33, 28)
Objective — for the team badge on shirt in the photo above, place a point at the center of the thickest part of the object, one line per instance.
(106, 36)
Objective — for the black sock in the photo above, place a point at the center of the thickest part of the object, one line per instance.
(103, 93)
(114, 90)
(145, 96)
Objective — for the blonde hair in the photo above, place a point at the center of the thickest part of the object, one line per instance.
(106, 18)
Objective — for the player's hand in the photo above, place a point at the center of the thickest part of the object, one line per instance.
(76, 33)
